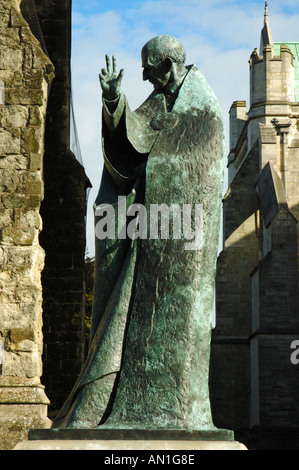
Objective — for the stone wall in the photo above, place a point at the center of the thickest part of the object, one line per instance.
(230, 351)
(274, 384)
(26, 73)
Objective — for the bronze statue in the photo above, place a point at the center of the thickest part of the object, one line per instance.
(148, 362)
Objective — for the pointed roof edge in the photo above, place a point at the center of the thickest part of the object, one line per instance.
(266, 15)
(266, 34)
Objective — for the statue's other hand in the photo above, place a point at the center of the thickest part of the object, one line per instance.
(111, 80)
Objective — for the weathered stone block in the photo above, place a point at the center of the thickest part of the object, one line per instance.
(13, 116)
(4, 18)
(40, 61)
(35, 116)
(22, 339)
(17, 419)
(7, 77)
(6, 216)
(20, 315)
(28, 294)
(24, 96)
(36, 161)
(12, 56)
(18, 236)
(9, 180)
(34, 187)
(31, 140)
(14, 162)
(11, 201)
(34, 79)
(10, 312)
(33, 202)
(23, 257)
(27, 364)
(28, 218)
(19, 292)
(26, 345)
(28, 58)
(6, 294)
(9, 35)
(9, 142)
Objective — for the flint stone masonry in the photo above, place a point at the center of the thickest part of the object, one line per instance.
(25, 73)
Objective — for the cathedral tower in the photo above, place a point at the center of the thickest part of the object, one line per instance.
(257, 276)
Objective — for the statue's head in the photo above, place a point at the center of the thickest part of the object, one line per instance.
(161, 57)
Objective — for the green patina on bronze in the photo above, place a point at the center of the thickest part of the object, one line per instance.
(148, 363)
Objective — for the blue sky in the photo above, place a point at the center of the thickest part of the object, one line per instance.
(218, 35)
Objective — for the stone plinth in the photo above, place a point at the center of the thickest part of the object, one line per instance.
(23, 405)
(130, 445)
(129, 439)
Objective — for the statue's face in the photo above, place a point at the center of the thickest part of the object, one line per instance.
(157, 74)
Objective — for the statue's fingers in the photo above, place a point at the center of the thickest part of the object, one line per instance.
(103, 81)
(104, 72)
(120, 75)
(114, 64)
(108, 63)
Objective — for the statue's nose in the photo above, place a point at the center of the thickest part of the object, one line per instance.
(145, 74)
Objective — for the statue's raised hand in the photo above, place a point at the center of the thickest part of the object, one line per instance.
(111, 80)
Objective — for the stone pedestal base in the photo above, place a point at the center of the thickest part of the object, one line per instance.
(130, 445)
(129, 439)
(22, 407)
